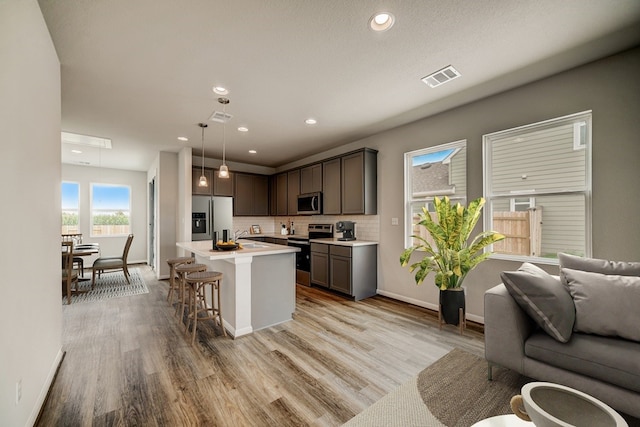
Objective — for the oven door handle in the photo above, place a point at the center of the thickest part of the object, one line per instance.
(298, 243)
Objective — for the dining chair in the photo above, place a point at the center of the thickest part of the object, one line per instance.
(76, 238)
(113, 263)
(69, 275)
(83, 250)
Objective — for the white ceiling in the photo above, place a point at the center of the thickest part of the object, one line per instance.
(141, 72)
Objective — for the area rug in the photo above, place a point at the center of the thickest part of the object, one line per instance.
(109, 285)
(452, 392)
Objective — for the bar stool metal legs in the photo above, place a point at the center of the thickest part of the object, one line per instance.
(173, 285)
(197, 302)
(181, 272)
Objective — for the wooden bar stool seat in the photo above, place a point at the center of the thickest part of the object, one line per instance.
(181, 273)
(197, 303)
(173, 263)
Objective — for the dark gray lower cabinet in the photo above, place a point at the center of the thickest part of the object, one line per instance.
(340, 274)
(320, 264)
(351, 270)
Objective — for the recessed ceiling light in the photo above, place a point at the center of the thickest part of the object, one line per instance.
(243, 129)
(381, 21)
(441, 76)
(253, 152)
(183, 138)
(220, 90)
(76, 151)
(311, 121)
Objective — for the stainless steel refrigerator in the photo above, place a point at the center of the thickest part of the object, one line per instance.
(210, 214)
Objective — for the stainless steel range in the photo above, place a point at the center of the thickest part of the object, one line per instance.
(303, 258)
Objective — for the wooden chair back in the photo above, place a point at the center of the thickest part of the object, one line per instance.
(67, 257)
(68, 275)
(127, 246)
(76, 238)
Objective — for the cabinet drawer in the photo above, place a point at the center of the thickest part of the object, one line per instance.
(320, 248)
(341, 250)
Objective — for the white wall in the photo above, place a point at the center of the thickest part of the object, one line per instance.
(609, 87)
(31, 307)
(165, 170)
(112, 246)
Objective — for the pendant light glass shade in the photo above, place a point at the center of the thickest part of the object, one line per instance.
(224, 170)
(202, 182)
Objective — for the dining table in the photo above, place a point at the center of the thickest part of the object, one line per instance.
(84, 250)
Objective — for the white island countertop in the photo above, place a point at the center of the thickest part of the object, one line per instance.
(250, 248)
(258, 286)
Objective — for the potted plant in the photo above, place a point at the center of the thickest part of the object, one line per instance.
(451, 257)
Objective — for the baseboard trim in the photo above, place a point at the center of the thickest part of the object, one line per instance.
(46, 389)
(430, 306)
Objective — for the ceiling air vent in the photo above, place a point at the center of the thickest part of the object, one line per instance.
(220, 117)
(441, 76)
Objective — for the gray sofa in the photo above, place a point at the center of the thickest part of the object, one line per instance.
(607, 368)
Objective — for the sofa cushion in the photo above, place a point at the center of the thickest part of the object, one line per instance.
(605, 304)
(595, 265)
(612, 360)
(542, 297)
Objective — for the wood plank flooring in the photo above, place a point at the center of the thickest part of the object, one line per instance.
(129, 362)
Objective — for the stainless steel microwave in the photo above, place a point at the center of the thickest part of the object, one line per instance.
(310, 204)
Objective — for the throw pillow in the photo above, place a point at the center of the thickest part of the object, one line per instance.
(542, 297)
(605, 304)
(595, 265)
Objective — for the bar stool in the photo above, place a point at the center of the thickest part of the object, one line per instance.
(197, 285)
(181, 272)
(173, 263)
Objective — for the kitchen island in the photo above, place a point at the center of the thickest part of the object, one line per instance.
(259, 283)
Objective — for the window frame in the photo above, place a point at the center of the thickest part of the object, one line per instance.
(583, 190)
(409, 200)
(91, 209)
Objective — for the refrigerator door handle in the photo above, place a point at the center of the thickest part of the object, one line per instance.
(210, 227)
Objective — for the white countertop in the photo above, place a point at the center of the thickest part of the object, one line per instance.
(337, 242)
(203, 248)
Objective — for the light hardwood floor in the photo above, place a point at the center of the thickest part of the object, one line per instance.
(129, 362)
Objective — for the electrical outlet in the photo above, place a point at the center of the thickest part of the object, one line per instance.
(394, 221)
(18, 391)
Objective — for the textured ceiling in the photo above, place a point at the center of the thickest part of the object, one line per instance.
(141, 72)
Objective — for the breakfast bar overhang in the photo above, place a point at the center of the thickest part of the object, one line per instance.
(258, 286)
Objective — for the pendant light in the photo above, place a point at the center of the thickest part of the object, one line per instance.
(224, 170)
(202, 182)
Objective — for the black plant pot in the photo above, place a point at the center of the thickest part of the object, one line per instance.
(451, 301)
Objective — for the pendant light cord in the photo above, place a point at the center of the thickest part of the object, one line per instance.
(224, 126)
(202, 150)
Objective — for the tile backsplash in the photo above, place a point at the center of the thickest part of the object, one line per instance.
(367, 226)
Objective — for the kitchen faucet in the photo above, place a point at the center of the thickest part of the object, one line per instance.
(239, 234)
